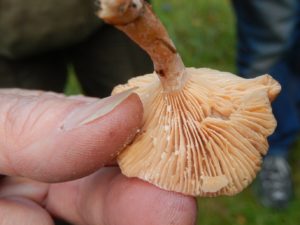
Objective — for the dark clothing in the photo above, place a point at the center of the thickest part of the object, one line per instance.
(105, 59)
(40, 41)
(32, 26)
(269, 42)
(109, 58)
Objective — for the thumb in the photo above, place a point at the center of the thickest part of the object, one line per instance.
(52, 138)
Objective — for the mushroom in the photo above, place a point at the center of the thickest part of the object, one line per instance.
(204, 131)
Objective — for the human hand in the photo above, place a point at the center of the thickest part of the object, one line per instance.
(51, 150)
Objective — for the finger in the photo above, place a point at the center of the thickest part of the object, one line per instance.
(108, 197)
(20, 92)
(22, 212)
(23, 187)
(52, 138)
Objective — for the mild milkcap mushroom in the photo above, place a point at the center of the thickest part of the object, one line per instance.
(204, 131)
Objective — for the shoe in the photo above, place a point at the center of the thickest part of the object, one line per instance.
(274, 186)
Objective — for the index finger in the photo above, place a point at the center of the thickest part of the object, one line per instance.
(53, 138)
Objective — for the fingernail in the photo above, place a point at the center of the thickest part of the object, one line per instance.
(91, 111)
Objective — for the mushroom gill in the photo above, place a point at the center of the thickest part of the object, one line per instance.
(204, 131)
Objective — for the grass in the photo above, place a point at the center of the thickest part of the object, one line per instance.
(73, 87)
(203, 31)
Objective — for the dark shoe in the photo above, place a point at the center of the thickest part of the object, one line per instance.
(274, 186)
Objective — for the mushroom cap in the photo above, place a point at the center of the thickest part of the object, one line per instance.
(207, 139)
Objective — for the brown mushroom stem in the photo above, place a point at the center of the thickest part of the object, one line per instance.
(137, 20)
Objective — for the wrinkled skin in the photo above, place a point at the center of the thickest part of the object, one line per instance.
(36, 150)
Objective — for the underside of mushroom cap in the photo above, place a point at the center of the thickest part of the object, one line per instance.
(207, 139)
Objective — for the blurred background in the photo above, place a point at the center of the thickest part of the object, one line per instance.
(205, 36)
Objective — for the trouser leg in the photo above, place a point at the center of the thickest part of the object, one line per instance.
(107, 59)
(43, 72)
(266, 39)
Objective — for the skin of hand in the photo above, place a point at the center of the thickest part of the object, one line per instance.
(51, 150)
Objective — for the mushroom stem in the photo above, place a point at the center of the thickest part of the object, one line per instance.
(137, 20)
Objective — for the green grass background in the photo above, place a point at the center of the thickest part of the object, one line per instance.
(203, 31)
